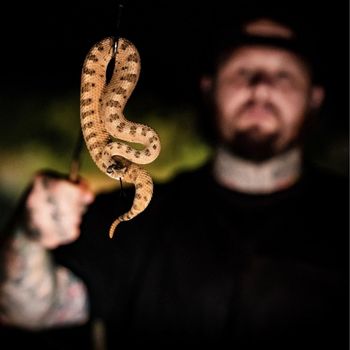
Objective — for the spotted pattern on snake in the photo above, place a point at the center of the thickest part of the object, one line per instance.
(107, 133)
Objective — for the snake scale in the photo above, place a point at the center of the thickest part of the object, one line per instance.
(107, 133)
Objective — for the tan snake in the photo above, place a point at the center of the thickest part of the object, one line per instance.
(107, 133)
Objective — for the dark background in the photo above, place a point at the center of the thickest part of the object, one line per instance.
(44, 44)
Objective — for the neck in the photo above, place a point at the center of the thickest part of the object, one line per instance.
(246, 176)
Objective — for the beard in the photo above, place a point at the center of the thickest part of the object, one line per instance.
(251, 144)
(255, 144)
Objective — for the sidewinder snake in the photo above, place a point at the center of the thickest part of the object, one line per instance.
(107, 133)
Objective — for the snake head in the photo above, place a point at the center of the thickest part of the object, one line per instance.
(118, 168)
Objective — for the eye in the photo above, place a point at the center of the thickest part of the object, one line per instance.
(244, 73)
(284, 78)
(283, 75)
(240, 76)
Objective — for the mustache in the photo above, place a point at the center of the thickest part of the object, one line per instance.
(267, 105)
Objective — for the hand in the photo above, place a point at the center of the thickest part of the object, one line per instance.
(54, 209)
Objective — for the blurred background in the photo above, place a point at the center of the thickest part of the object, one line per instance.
(43, 48)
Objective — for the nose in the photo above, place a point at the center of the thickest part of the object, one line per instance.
(261, 92)
(260, 85)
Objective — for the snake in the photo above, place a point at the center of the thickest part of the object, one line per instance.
(110, 137)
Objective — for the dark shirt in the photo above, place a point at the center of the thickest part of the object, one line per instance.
(203, 265)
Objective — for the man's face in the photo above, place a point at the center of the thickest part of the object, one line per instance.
(262, 97)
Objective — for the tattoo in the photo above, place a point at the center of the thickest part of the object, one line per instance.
(45, 181)
(55, 215)
(31, 231)
(36, 293)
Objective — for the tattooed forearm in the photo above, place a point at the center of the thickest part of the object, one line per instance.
(36, 293)
(55, 210)
(56, 215)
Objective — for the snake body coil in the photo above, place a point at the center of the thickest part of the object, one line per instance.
(107, 133)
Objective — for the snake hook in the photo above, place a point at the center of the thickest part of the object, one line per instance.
(115, 38)
(114, 46)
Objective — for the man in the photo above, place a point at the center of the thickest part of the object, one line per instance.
(250, 250)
